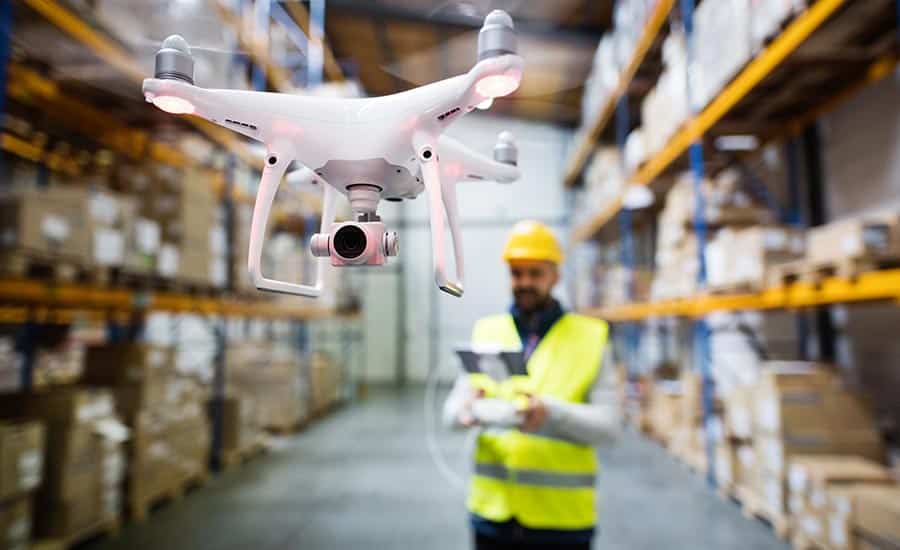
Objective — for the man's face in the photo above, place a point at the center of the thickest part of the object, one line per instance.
(532, 282)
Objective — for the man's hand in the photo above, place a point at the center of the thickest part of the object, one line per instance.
(466, 418)
(534, 415)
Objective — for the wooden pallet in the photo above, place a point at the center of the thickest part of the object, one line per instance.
(103, 528)
(805, 271)
(287, 429)
(140, 506)
(744, 287)
(752, 506)
(237, 457)
(800, 541)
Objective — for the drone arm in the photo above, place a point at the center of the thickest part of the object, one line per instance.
(426, 151)
(268, 187)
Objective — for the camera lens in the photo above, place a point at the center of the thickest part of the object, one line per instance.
(350, 242)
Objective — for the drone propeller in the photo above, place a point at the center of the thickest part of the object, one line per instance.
(152, 45)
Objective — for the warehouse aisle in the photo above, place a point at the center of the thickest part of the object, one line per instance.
(362, 478)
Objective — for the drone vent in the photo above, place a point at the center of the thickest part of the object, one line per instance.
(449, 113)
(239, 123)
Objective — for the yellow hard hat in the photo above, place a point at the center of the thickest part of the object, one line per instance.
(531, 240)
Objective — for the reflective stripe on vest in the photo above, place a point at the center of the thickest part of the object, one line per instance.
(534, 477)
(541, 482)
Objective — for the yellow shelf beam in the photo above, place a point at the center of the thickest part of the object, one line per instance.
(36, 153)
(868, 287)
(760, 67)
(588, 142)
(85, 298)
(763, 65)
(30, 87)
(115, 55)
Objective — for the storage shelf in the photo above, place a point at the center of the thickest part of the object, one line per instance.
(867, 287)
(732, 97)
(69, 298)
(587, 143)
(111, 52)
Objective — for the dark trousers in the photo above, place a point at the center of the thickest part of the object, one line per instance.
(487, 543)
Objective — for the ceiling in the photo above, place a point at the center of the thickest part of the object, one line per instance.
(393, 45)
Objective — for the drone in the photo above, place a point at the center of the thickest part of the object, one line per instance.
(368, 149)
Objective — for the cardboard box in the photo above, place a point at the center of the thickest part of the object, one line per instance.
(877, 515)
(844, 515)
(875, 237)
(52, 221)
(815, 476)
(15, 523)
(739, 408)
(21, 457)
(126, 364)
(774, 453)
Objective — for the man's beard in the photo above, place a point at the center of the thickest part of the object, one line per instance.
(529, 300)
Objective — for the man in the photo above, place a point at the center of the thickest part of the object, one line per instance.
(533, 487)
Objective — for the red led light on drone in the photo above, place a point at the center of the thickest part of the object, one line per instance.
(174, 105)
(497, 85)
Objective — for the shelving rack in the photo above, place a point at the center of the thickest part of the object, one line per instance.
(736, 96)
(32, 304)
(588, 141)
(742, 108)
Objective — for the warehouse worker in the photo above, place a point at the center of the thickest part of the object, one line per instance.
(533, 487)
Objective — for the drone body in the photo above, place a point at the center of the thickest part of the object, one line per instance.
(367, 149)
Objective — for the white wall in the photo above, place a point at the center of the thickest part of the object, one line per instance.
(435, 321)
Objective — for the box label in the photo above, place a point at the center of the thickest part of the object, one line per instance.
(55, 228)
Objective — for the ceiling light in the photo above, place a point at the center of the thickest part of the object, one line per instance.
(737, 143)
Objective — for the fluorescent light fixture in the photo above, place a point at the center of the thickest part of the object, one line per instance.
(737, 143)
(638, 197)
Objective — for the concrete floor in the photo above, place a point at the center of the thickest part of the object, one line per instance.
(363, 478)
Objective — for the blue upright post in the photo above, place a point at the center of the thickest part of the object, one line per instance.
(316, 65)
(626, 234)
(702, 359)
(261, 28)
(5, 39)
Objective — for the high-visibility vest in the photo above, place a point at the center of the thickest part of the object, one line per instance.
(541, 482)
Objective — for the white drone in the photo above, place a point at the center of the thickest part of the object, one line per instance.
(387, 147)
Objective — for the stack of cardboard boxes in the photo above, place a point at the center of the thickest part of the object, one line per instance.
(186, 207)
(241, 431)
(21, 472)
(165, 411)
(325, 377)
(270, 382)
(739, 259)
(864, 517)
(85, 461)
(688, 440)
(819, 486)
(867, 238)
(112, 217)
(664, 409)
(49, 224)
(10, 366)
(801, 409)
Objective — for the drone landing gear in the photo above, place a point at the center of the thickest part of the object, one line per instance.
(441, 200)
